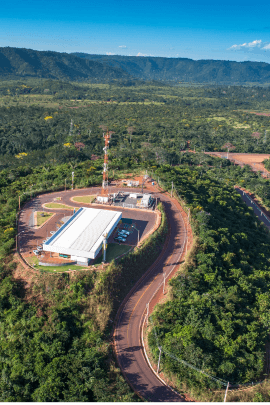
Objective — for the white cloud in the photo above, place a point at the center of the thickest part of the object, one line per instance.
(256, 46)
(143, 54)
(110, 53)
(122, 46)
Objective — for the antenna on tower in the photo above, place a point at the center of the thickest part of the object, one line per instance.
(105, 182)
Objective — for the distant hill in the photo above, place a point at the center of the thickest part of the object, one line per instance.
(18, 62)
(182, 69)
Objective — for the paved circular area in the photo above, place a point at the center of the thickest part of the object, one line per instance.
(30, 238)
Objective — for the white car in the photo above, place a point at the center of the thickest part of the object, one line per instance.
(126, 232)
(121, 239)
(52, 232)
(36, 252)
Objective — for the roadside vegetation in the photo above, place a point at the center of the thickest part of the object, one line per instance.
(55, 333)
(218, 317)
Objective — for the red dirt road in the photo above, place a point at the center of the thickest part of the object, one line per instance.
(252, 159)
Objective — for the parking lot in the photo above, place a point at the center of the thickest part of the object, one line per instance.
(31, 237)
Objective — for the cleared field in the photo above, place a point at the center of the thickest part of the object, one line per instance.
(252, 159)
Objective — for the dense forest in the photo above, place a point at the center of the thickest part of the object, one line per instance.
(21, 63)
(218, 318)
(51, 121)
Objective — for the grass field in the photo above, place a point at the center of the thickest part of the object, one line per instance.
(87, 199)
(60, 206)
(114, 250)
(57, 269)
(43, 217)
(34, 260)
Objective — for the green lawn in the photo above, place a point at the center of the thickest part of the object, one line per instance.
(41, 219)
(58, 205)
(34, 260)
(61, 269)
(114, 250)
(87, 199)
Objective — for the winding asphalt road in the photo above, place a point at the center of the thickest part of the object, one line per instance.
(127, 335)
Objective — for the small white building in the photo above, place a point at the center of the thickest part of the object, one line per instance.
(81, 237)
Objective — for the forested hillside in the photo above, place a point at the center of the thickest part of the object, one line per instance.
(218, 317)
(20, 62)
(187, 70)
(55, 332)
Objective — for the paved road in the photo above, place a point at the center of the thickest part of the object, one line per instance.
(128, 329)
(255, 208)
(30, 238)
(127, 334)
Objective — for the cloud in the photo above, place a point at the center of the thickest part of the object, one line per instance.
(257, 46)
(122, 46)
(110, 53)
(143, 54)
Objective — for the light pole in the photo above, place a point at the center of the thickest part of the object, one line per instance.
(20, 201)
(138, 233)
(72, 174)
(17, 240)
(104, 247)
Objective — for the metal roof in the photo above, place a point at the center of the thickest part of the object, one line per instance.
(82, 234)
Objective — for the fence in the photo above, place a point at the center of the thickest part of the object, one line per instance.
(252, 202)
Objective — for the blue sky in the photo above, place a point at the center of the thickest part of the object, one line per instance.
(233, 30)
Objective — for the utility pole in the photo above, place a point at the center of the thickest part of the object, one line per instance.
(164, 280)
(17, 240)
(226, 391)
(65, 184)
(138, 234)
(172, 190)
(19, 202)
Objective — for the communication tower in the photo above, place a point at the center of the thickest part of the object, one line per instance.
(105, 183)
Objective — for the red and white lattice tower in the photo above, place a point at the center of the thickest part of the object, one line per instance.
(105, 182)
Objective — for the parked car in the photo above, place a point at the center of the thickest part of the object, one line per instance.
(126, 232)
(52, 232)
(120, 239)
(36, 252)
(39, 248)
(123, 232)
